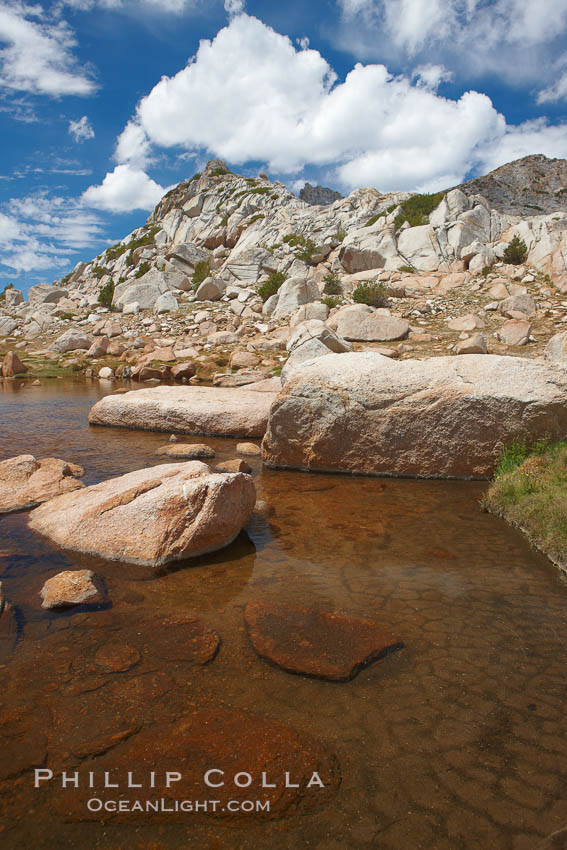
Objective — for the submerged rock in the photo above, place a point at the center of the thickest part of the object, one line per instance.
(187, 639)
(315, 643)
(151, 516)
(69, 588)
(26, 482)
(236, 465)
(446, 417)
(187, 410)
(230, 742)
(197, 451)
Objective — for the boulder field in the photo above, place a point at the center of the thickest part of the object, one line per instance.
(187, 410)
(151, 516)
(444, 417)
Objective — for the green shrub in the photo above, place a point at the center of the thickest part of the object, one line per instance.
(332, 284)
(373, 294)
(143, 268)
(201, 272)
(485, 271)
(224, 220)
(4, 291)
(516, 252)
(307, 246)
(196, 176)
(263, 175)
(407, 269)
(130, 259)
(256, 217)
(272, 285)
(115, 251)
(66, 315)
(147, 239)
(340, 235)
(99, 271)
(218, 172)
(106, 294)
(374, 219)
(417, 209)
(331, 301)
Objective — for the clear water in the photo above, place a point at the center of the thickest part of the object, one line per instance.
(458, 741)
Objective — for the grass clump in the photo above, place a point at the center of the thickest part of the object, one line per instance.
(218, 172)
(256, 217)
(407, 269)
(530, 491)
(143, 268)
(373, 294)
(417, 209)
(201, 272)
(106, 294)
(331, 301)
(272, 285)
(516, 252)
(332, 284)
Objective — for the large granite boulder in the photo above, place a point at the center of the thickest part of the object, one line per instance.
(187, 410)
(46, 293)
(72, 340)
(445, 417)
(556, 349)
(361, 323)
(13, 297)
(292, 294)
(7, 325)
(146, 290)
(26, 482)
(312, 339)
(151, 516)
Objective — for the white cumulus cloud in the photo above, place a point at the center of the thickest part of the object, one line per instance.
(251, 95)
(169, 6)
(124, 189)
(517, 39)
(81, 130)
(38, 53)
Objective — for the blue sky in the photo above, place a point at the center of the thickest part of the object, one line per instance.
(104, 104)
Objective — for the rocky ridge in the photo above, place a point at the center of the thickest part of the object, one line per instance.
(188, 293)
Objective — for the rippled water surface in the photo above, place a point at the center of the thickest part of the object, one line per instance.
(457, 741)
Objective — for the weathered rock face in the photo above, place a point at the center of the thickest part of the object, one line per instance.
(318, 195)
(187, 410)
(25, 481)
(443, 417)
(315, 643)
(524, 186)
(515, 332)
(151, 516)
(69, 588)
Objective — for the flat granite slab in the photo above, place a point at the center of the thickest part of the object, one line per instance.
(212, 411)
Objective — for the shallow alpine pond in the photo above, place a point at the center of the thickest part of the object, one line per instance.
(456, 740)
